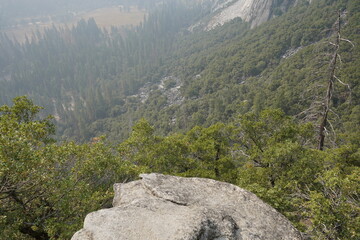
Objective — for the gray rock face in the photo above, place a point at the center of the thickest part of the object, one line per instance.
(247, 10)
(160, 207)
(254, 11)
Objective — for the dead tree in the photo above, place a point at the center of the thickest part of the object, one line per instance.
(332, 78)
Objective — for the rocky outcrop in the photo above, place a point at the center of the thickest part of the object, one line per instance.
(254, 11)
(160, 207)
(247, 10)
(170, 91)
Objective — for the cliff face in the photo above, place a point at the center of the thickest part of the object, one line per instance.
(254, 11)
(166, 207)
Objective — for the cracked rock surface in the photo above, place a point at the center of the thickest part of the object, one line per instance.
(161, 207)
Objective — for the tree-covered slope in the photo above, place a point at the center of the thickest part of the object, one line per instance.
(230, 70)
(97, 83)
(80, 73)
(47, 188)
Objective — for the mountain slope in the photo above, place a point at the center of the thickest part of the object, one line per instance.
(254, 11)
(233, 70)
(102, 83)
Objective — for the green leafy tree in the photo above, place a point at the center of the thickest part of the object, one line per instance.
(210, 149)
(154, 153)
(317, 190)
(46, 188)
(21, 138)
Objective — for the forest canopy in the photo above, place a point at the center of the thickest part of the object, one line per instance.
(47, 188)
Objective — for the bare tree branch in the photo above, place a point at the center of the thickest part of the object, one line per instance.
(347, 40)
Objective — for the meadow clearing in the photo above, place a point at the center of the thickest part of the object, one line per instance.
(104, 17)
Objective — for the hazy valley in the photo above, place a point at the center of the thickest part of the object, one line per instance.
(263, 94)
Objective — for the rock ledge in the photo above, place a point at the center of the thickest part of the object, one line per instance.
(161, 207)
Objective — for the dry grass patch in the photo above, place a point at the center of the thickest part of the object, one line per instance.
(104, 17)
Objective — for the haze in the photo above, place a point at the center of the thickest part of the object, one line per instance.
(20, 18)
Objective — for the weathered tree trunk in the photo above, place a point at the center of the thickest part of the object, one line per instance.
(332, 78)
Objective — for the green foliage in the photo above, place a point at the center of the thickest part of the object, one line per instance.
(317, 191)
(46, 188)
(154, 153)
(202, 152)
(273, 156)
(210, 148)
(333, 205)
